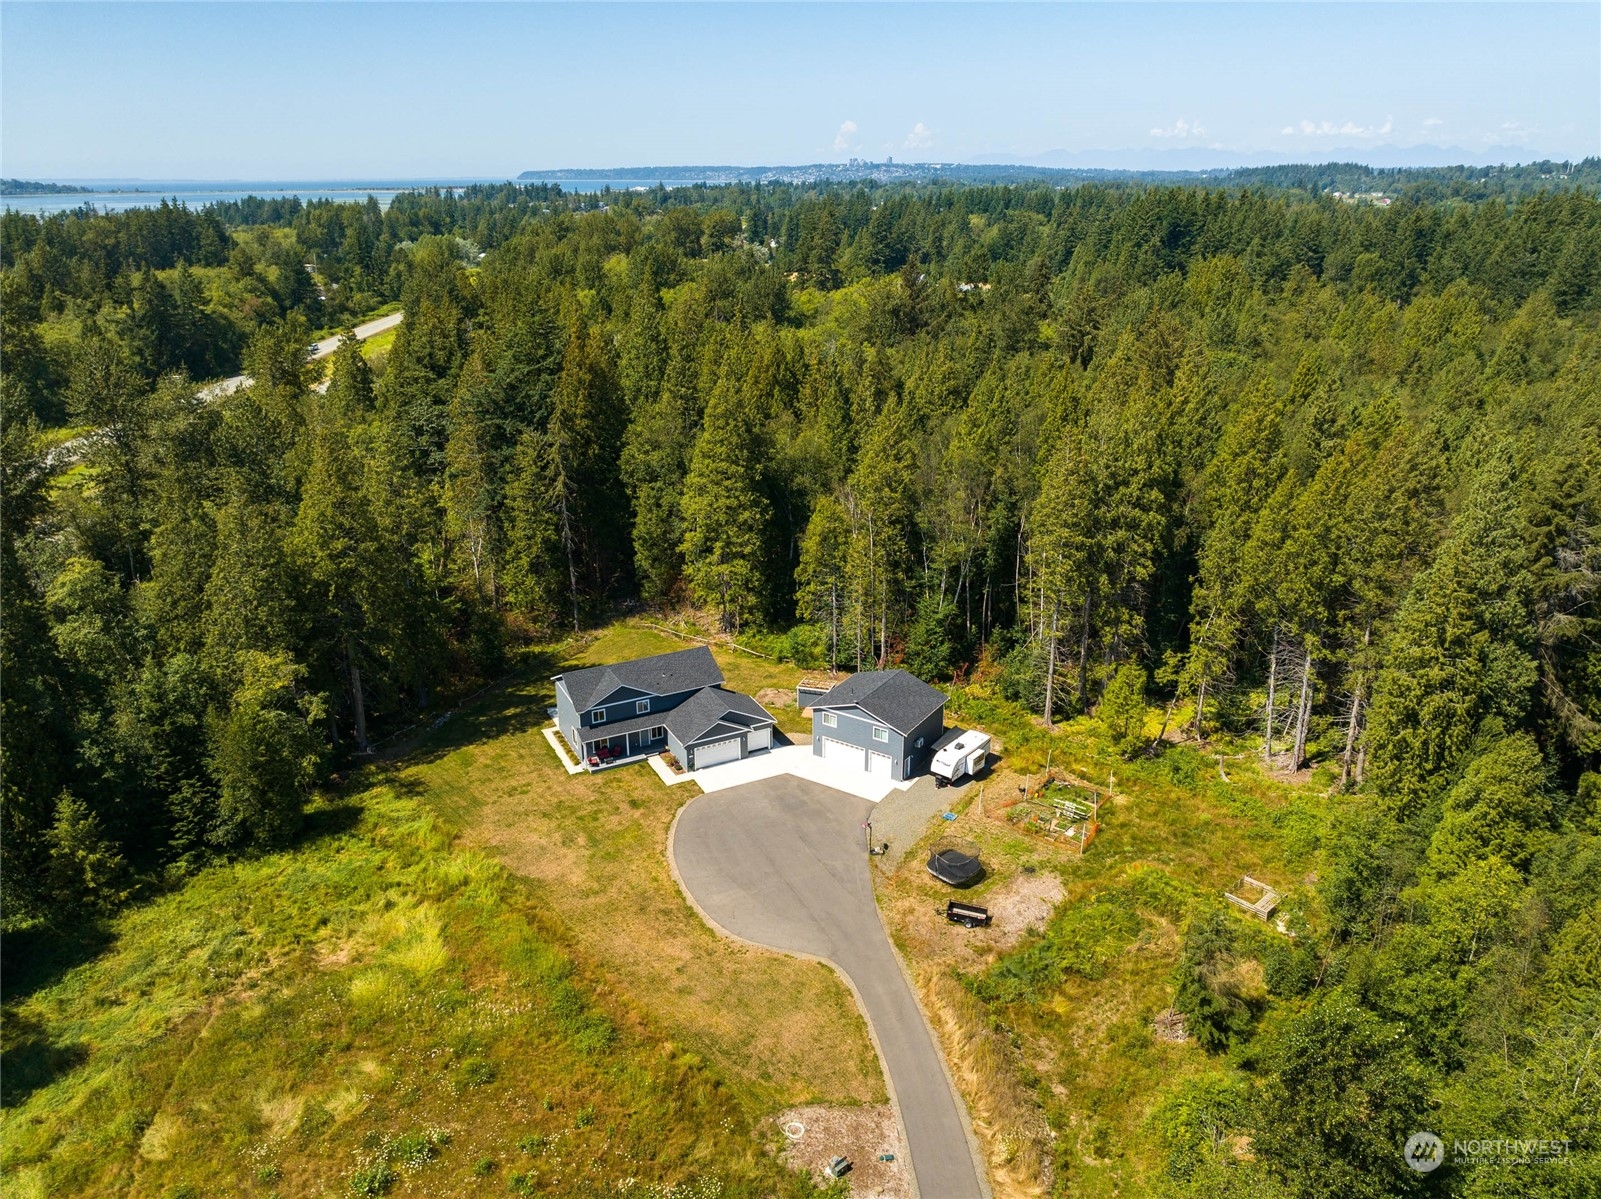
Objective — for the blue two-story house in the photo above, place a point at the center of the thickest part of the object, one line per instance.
(674, 702)
(881, 721)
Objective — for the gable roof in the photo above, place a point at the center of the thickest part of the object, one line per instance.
(661, 674)
(900, 700)
(711, 707)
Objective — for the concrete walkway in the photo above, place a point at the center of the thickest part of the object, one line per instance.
(799, 761)
(782, 863)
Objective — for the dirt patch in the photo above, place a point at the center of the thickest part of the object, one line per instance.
(862, 1134)
(1024, 903)
(1170, 1026)
(775, 697)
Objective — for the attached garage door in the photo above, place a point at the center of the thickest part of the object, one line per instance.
(842, 753)
(717, 751)
(758, 739)
(878, 764)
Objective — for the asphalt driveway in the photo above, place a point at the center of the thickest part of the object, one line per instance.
(782, 862)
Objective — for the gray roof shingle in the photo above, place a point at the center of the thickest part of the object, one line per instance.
(661, 674)
(702, 712)
(706, 715)
(901, 700)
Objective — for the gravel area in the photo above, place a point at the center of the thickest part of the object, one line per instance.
(859, 1133)
(903, 817)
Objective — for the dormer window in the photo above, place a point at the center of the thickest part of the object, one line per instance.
(641, 706)
(598, 716)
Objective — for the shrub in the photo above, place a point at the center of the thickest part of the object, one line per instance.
(373, 1179)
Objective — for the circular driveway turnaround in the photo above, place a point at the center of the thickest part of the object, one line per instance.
(783, 863)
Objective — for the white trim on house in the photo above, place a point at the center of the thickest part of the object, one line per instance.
(598, 716)
(641, 706)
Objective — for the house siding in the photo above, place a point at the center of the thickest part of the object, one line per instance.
(567, 718)
(915, 760)
(855, 727)
(685, 754)
(623, 709)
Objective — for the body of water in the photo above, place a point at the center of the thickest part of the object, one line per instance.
(114, 195)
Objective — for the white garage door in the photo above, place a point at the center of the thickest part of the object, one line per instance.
(717, 751)
(842, 753)
(758, 739)
(878, 764)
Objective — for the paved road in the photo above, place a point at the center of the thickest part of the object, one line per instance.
(783, 863)
(321, 349)
(68, 451)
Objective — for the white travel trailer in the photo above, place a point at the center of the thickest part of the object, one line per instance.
(962, 756)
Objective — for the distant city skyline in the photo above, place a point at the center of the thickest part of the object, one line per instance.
(297, 91)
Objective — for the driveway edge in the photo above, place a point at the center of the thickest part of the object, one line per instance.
(872, 1033)
(974, 1149)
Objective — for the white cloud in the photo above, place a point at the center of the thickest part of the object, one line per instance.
(1342, 129)
(1431, 122)
(1511, 132)
(920, 138)
(1181, 129)
(846, 137)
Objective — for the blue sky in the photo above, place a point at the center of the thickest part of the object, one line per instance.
(370, 90)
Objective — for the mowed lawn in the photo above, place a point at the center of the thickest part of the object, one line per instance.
(593, 849)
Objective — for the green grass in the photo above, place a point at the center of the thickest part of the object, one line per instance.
(476, 975)
(593, 849)
(1076, 1003)
(372, 1011)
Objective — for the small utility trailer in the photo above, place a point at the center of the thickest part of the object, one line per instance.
(961, 758)
(968, 915)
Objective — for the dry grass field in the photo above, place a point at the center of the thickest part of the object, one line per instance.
(593, 848)
(477, 974)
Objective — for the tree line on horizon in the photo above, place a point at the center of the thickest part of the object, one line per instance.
(1316, 474)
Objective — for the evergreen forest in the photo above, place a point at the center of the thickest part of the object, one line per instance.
(1318, 478)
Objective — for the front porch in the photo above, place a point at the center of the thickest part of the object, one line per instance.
(619, 749)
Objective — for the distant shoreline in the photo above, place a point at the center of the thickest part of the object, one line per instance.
(31, 187)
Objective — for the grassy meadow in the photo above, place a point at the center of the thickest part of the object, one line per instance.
(1051, 1039)
(385, 1009)
(475, 975)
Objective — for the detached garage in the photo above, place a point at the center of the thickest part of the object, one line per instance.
(882, 722)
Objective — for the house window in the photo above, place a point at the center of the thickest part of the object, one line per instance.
(880, 733)
(830, 720)
(641, 706)
(598, 716)
(659, 733)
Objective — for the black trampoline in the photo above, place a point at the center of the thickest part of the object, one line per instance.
(954, 867)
